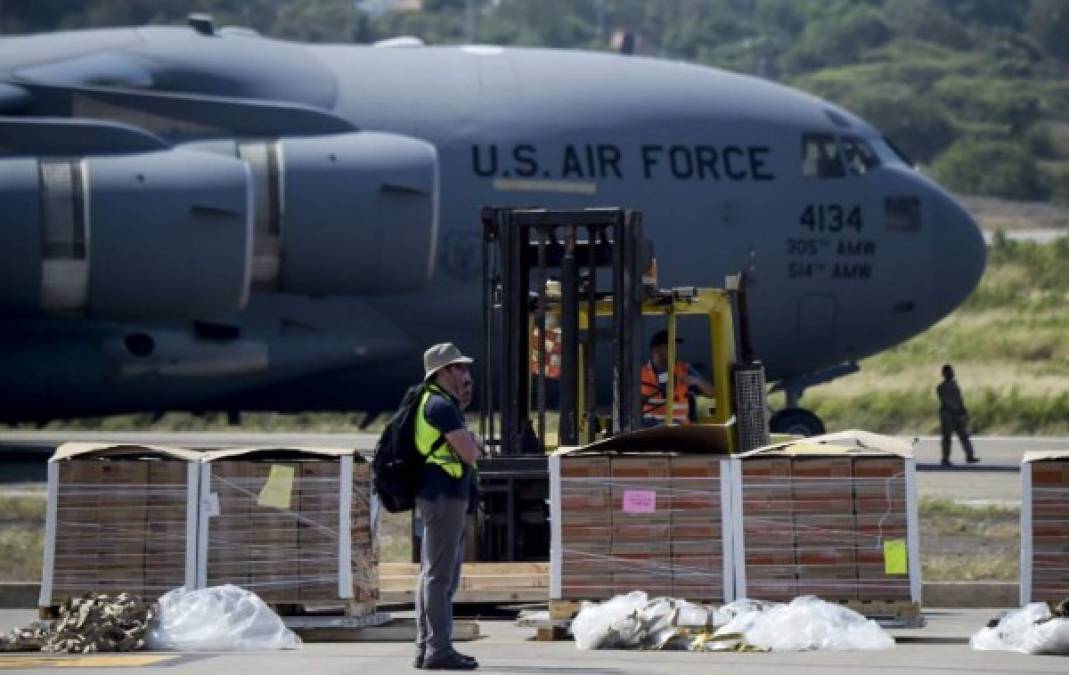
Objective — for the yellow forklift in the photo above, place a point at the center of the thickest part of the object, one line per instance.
(567, 295)
(713, 307)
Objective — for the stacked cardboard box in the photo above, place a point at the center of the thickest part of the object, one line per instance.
(117, 521)
(272, 523)
(1048, 557)
(167, 511)
(824, 523)
(880, 508)
(586, 528)
(649, 522)
(364, 547)
(253, 539)
(768, 530)
(823, 493)
(696, 537)
(641, 525)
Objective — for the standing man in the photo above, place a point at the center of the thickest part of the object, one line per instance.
(446, 487)
(953, 417)
(654, 381)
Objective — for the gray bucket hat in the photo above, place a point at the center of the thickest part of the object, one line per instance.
(441, 355)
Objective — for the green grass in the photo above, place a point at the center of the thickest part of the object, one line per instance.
(21, 553)
(22, 520)
(395, 537)
(319, 422)
(1009, 343)
(16, 510)
(960, 542)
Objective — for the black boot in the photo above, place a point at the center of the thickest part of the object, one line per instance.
(465, 657)
(449, 661)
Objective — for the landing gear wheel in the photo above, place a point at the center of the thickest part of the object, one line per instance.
(797, 421)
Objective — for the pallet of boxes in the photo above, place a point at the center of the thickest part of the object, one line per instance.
(625, 520)
(833, 516)
(292, 525)
(1045, 527)
(120, 518)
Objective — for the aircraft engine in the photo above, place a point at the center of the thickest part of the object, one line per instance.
(155, 234)
(341, 214)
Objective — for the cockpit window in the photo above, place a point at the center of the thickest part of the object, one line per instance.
(821, 157)
(860, 157)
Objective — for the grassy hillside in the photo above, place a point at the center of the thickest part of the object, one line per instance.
(1009, 344)
(975, 89)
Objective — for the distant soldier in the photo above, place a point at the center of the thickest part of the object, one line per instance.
(953, 417)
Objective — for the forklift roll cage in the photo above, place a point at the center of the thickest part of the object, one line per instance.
(539, 264)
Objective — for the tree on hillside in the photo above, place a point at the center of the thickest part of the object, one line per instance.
(994, 168)
(1049, 23)
(838, 40)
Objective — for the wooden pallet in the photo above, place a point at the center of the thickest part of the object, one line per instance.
(480, 583)
(561, 613)
(566, 609)
(341, 608)
(395, 630)
(898, 613)
(350, 609)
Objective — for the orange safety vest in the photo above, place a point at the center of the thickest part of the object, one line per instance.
(653, 403)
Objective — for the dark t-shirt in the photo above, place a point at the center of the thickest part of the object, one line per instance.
(443, 413)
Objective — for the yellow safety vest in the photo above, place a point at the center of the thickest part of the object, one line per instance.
(431, 443)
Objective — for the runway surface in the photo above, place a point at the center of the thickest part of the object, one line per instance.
(941, 647)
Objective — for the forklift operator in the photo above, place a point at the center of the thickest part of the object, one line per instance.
(655, 380)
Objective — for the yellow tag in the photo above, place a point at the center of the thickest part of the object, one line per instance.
(894, 557)
(278, 489)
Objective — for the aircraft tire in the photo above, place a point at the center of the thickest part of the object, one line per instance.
(797, 421)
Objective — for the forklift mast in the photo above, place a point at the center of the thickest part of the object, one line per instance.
(592, 254)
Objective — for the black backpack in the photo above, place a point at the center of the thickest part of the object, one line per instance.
(397, 467)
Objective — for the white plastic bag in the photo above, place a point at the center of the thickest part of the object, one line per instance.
(1019, 632)
(805, 623)
(613, 623)
(217, 619)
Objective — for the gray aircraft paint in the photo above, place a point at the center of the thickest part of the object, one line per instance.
(713, 160)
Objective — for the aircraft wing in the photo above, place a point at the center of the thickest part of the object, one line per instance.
(180, 116)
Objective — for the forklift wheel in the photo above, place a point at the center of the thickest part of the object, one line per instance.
(797, 421)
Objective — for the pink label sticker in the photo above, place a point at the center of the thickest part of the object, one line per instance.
(640, 501)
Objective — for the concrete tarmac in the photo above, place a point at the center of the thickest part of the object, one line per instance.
(995, 480)
(941, 647)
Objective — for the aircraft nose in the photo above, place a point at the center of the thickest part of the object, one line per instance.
(960, 255)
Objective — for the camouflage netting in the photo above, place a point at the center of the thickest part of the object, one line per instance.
(92, 623)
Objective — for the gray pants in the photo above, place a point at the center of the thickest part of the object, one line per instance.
(441, 556)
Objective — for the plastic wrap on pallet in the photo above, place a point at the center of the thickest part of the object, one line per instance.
(830, 524)
(293, 526)
(651, 522)
(1045, 527)
(119, 519)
